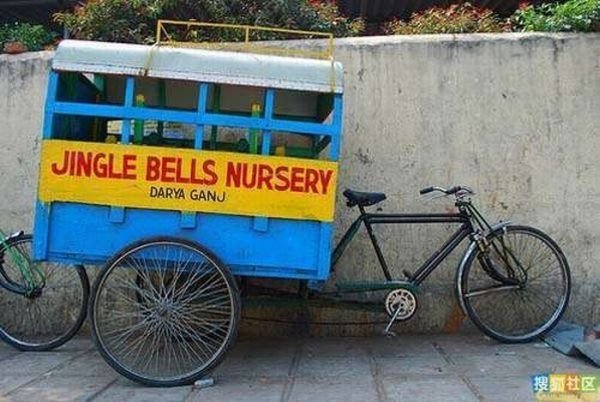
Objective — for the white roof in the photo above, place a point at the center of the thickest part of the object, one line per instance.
(215, 66)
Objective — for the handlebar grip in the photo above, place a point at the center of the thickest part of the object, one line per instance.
(426, 190)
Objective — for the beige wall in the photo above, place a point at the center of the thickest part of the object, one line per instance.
(516, 116)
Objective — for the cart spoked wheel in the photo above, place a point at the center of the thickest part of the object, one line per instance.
(164, 311)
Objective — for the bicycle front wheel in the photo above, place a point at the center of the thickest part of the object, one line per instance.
(43, 304)
(518, 288)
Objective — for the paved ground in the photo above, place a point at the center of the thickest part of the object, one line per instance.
(411, 368)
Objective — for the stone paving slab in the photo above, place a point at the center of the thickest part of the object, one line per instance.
(337, 367)
(332, 389)
(431, 390)
(417, 366)
(505, 389)
(9, 383)
(57, 389)
(29, 363)
(400, 346)
(412, 368)
(263, 389)
(124, 390)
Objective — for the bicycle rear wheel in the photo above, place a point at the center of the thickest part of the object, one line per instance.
(521, 290)
(164, 311)
(48, 315)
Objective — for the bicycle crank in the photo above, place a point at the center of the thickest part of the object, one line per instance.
(400, 305)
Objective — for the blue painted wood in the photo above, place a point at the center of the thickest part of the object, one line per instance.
(188, 220)
(211, 119)
(51, 90)
(338, 110)
(261, 223)
(116, 215)
(287, 248)
(128, 104)
(202, 101)
(325, 240)
(41, 226)
(42, 210)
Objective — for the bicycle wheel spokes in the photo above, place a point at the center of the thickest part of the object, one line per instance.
(522, 311)
(51, 314)
(164, 312)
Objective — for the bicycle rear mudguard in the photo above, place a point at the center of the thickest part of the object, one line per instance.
(497, 227)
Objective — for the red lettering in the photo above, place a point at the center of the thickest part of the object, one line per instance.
(72, 163)
(168, 172)
(193, 178)
(296, 180)
(311, 180)
(63, 169)
(99, 166)
(129, 167)
(249, 178)
(281, 173)
(152, 168)
(209, 170)
(265, 174)
(112, 173)
(84, 164)
(179, 177)
(234, 174)
(325, 179)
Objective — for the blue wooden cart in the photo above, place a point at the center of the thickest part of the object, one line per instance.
(180, 169)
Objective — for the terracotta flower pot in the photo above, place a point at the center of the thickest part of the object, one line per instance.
(14, 48)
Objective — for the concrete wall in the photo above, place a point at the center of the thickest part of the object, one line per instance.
(515, 116)
(22, 92)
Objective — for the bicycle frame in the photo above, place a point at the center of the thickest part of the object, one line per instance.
(369, 219)
(27, 269)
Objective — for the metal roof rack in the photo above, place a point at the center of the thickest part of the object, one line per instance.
(195, 31)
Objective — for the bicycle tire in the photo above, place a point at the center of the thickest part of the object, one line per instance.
(513, 316)
(143, 308)
(11, 332)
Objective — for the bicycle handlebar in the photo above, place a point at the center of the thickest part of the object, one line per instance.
(450, 191)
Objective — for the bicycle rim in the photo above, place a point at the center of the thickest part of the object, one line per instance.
(517, 313)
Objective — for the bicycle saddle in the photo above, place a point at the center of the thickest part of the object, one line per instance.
(363, 199)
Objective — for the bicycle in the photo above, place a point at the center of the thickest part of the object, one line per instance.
(45, 304)
(507, 294)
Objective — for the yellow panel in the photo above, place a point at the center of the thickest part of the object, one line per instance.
(187, 180)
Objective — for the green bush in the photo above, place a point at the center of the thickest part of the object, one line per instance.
(34, 37)
(571, 16)
(134, 21)
(130, 21)
(457, 18)
(333, 21)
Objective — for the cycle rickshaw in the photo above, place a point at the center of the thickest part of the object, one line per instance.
(180, 168)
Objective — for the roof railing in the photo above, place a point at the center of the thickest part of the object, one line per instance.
(244, 38)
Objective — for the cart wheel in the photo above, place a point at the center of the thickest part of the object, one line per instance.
(164, 311)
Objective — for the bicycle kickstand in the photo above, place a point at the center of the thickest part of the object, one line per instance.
(387, 331)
